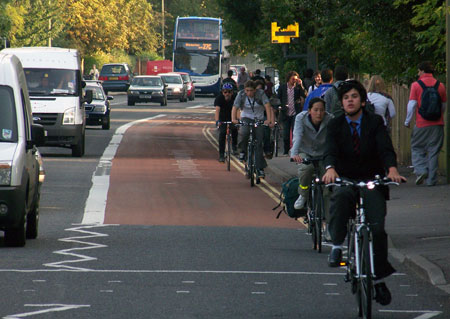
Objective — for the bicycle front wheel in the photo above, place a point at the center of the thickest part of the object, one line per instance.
(276, 135)
(318, 212)
(251, 164)
(228, 152)
(365, 278)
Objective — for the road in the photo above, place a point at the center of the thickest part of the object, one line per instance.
(149, 225)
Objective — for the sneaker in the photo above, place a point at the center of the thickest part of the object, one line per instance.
(260, 173)
(382, 294)
(335, 257)
(221, 159)
(420, 178)
(327, 235)
(242, 157)
(300, 202)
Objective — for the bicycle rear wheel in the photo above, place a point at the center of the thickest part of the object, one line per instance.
(312, 219)
(318, 211)
(365, 279)
(228, 151)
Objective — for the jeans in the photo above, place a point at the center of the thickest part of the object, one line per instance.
(288, 127)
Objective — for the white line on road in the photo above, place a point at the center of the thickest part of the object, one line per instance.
(94, 211)
(54, 308)
(425, 314)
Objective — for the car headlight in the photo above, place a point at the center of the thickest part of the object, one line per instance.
(133, 92)
(158, 93)
(99, 108)
(69, 116)
(177, 90)
(5, 173)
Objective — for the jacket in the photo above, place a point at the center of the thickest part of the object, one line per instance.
(283, 96)
(376, 151)
(305, 137)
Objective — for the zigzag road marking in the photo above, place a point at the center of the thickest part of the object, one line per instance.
(73, 252)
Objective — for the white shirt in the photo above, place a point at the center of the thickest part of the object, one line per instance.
(381, 104)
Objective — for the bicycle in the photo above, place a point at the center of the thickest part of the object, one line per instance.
(315, 213)
(360, 269)
(250, 163)
(228, 148)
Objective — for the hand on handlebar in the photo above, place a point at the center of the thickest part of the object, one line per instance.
(395, 176)
(297, 159)
(330, 176)
(235, 121)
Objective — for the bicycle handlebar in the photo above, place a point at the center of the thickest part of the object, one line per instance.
(254, 124)
(378, 181)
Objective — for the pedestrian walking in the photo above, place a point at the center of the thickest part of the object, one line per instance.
(428, 135)
(327, 80)
(381, 100)
(243, 77)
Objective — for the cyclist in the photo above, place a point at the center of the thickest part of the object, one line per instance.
(310, 132)
(358, 147)
(224, 105)
(252, 103)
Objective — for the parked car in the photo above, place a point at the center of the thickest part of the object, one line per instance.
(116, 77)
(189, 84)
(19, 158)
(98, 111)
(147, 88)
(176, 87)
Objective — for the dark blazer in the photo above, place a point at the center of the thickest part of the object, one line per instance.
(283, 96)
(376, 151)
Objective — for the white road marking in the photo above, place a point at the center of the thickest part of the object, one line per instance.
(188, 282)
(54, 308)
(332, 294)
(330, 284)
(425, 314)
(183, 291)
(94, 211)
(258, 293)
(79, 240)
(114, 281)
(108, 291)
(260, 283)
(39, 280)
(29, 290)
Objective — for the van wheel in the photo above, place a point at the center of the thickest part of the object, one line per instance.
(78, 149)
(16, 237)
(106, 124)
(33, 221)
(130, 102)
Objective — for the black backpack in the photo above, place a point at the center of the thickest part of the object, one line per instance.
(431, 104)
(288, 196)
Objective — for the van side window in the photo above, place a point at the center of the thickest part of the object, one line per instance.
(26, 118)
(8, 122)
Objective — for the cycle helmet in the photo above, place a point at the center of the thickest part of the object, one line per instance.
(227, 86)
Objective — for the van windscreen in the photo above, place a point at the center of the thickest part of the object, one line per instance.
(51, 82)
(8, 123)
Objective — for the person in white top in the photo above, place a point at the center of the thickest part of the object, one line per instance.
(383, 103)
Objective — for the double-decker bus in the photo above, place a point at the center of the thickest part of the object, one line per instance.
(197, 50)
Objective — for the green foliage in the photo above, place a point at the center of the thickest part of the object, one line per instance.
(149, 55)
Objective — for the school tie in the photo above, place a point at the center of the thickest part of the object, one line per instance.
(356, 140)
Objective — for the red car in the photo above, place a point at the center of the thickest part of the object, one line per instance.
(189, 83)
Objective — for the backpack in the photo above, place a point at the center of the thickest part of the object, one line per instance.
(288, 196)
(431, 104)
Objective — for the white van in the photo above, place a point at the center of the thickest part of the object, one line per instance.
(55, 87)
(19, 157)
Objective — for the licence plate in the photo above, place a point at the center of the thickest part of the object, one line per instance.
(113, 78)
(145, 96)
(198, 90)
(87, 116)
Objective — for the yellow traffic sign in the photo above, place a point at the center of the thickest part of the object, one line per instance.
(284, 35)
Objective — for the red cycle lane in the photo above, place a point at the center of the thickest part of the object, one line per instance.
(168, 174)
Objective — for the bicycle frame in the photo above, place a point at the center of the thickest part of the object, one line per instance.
(250, 165)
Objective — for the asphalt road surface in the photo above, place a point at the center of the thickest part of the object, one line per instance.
(149, 225)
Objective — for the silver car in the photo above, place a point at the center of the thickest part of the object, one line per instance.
(176, 87)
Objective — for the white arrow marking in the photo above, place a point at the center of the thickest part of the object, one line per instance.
(55, 308)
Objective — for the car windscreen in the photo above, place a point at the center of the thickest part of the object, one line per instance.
(147, 82)
(51, 82)
(113, 69)
(97, 93)
(172, 79)
(197, 63)
(8, 122)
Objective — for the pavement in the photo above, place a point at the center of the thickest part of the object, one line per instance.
(417, 223)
